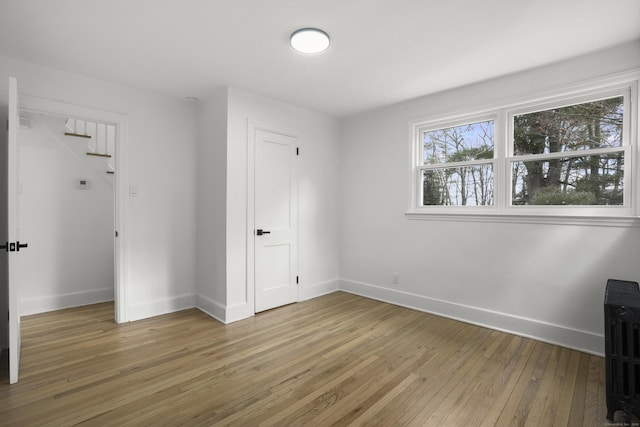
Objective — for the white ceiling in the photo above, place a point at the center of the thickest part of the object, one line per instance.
(382, 51)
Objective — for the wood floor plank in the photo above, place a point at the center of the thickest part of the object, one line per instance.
(506, 384)
(335, 360)
(579, 396)
(486, 385)
(452, 377)
(529, 395)
(543, 408)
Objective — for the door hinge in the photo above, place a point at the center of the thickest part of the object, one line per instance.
(116, 234)
(297, 151)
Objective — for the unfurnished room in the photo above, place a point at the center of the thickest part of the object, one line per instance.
(315, 213)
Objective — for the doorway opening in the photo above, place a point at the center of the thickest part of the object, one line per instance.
(55, 121)
(67, 211)
(108, 138)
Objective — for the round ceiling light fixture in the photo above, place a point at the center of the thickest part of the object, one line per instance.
(309, 40)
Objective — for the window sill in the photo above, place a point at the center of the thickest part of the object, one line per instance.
(512, 218)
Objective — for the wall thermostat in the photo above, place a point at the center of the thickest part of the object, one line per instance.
(83, 184)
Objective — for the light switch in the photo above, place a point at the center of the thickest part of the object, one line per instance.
(133, 191)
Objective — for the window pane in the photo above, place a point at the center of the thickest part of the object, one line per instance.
(463, 186)
(596, 124)
(585, 180)
(459, 143)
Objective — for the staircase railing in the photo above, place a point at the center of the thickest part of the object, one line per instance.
(101, 138)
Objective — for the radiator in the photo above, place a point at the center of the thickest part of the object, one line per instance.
(622, 347)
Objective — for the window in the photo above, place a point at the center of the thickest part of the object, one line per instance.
(458, 165)
(570, 155)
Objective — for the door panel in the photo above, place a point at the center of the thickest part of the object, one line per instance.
(276, 212)
(13, 235)
(277, 257)
(273, 175)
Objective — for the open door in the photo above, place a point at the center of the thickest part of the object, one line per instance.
(13, 245)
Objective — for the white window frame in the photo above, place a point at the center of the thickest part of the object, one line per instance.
(420, 167)
(502, 116)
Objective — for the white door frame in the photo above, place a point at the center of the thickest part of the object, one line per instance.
(252, 127)
(38, 105)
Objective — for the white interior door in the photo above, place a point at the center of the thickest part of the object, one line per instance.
(14, 244)
(276, 220)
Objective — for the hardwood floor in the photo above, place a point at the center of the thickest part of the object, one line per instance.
(336, 360)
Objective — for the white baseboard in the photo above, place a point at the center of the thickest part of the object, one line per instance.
(161, 306)
(318, 289)
(234, 313)
(59, 302)
(584, 341)
(555, 334)
(222, 313)
(239, 312)
(211, 307)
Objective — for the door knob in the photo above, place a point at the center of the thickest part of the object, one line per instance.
(13, 246)
(260, 232)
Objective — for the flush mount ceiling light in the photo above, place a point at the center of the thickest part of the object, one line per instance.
(309, 40)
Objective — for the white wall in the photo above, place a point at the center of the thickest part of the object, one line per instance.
(165, 221)
(224, 289)
(545, 281)
(161, 162)
(211, 207)
(69, 261)
(318, 220)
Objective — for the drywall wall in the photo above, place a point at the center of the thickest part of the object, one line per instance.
(70, 231)
(160, 163)
(318, 189)
(545, 281)
(211, 205)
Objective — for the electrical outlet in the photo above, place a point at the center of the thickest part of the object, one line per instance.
(395, 278)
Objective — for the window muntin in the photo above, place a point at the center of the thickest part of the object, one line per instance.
(582, 141)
